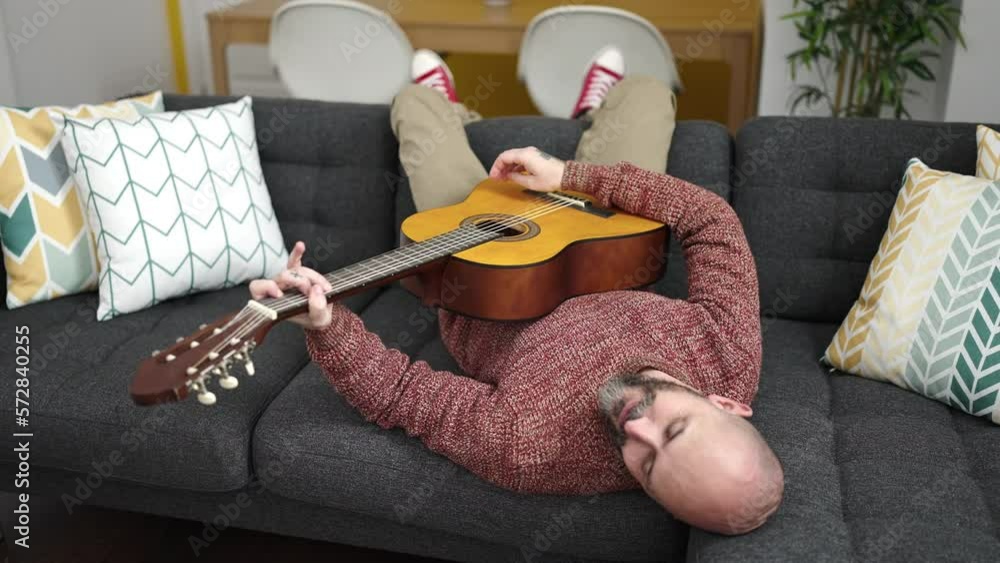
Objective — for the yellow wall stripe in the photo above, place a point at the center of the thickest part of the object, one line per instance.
(176, 31)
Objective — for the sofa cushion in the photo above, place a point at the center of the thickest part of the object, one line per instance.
(82, 415)
(348, 463)
(872, 472)
(815, 196)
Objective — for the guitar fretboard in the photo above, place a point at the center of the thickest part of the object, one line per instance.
(395, 262)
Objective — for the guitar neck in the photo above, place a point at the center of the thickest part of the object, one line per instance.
(381, 269)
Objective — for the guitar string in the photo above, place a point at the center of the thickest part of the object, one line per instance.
(469, 236)
(422, 254)
(251, 324)
(423, 250)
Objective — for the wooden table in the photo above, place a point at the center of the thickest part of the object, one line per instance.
(697, 30)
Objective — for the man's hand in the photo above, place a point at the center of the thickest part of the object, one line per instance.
(530, 167)
(310, 282)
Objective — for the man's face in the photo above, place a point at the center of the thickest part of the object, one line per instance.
(695, 455)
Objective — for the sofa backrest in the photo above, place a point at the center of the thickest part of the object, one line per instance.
(326, 166)
(815, 196)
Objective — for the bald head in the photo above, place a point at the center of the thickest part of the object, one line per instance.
(740, 485)
(696, 455)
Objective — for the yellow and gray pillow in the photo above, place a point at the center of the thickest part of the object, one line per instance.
(928, 317)
(47, 247)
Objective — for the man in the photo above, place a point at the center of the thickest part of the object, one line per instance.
(608, 391)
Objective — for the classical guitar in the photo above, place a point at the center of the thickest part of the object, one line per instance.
(503, 254)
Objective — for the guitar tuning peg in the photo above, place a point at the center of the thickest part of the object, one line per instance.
(229, 382)
(202, 326)
(249, 366)
(206, 398)
(155, 352)
(180, 339)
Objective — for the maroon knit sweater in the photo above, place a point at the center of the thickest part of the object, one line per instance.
(527, 417)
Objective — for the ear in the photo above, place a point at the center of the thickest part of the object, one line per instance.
(731, 406)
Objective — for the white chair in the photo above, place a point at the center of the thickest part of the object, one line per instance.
(559, 43)
(339, 50)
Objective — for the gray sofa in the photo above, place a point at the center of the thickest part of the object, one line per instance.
(873, 473)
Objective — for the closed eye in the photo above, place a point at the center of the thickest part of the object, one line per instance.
(672, 431)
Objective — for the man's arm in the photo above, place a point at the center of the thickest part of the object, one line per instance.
(722, 278)
(466, 420)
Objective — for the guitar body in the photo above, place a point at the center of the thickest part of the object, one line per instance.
(538, 263)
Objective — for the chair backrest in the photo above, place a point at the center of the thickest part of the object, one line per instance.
(559, 43)
(339, 50)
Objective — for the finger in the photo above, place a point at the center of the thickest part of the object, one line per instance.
(503, 171)
(289, 279)
(315, 277)
(295, 256)
(506, 161)
(319, 312)
(260, 289)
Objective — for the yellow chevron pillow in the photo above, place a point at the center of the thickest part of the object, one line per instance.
(928, 317)
(988, 143)
(48, 250)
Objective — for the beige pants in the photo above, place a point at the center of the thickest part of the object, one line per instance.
(635, 124)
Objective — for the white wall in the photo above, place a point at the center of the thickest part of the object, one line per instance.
(974, 94)
(777, 86)
(74, 51)
(8, 89)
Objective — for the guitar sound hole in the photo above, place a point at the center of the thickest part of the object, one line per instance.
(505, 230)
(510, 228)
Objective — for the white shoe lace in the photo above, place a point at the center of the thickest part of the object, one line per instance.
(597, 87)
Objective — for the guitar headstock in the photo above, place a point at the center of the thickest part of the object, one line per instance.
(191, 363)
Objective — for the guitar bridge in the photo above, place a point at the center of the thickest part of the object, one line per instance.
(577, 202)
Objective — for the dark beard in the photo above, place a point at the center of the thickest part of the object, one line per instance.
(611, 399)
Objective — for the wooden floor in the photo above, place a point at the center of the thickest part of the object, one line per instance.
(96, 535)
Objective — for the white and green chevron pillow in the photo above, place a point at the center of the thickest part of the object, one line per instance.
(928, 317)
(177, 203)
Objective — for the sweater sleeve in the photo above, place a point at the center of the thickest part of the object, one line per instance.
(466, 420)
(722, 279)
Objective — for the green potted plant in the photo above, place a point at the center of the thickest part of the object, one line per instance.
(871, 48)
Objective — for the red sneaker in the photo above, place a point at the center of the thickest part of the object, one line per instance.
(607, 68)
(428, 69)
